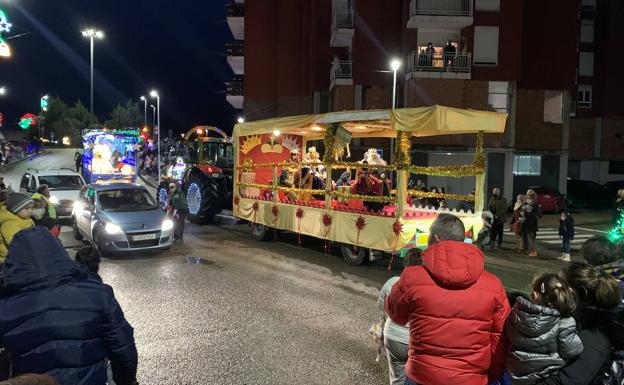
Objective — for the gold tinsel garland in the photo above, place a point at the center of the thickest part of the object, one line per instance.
(248, 165)
(403, 145)
(425, 194)
(329, 141)
(366, 198)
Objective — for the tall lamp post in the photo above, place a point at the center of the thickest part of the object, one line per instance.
(395, 64)
(144, 99)
(154, 94)
(153, 117)
(92, 34)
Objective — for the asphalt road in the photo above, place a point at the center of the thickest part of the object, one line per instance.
(222, 308)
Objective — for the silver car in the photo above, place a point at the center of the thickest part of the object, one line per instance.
(121, 217)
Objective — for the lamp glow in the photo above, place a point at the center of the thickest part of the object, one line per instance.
(240, 119)
(277, 133)
(154, 93)
(395, 64)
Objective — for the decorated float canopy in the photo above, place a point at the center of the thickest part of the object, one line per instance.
(420, 122)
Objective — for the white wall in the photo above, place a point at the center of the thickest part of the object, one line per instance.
(598, 171)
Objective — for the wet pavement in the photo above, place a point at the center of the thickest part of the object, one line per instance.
(222, 308)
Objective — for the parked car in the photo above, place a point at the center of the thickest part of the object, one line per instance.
(121, 217)
(587, 194)
(613, 187)
(549, 199)
(64, 184)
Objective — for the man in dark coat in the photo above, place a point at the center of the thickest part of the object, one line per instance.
(55, 320)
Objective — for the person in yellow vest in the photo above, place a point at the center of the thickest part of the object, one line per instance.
(15, 216)
(43, 193)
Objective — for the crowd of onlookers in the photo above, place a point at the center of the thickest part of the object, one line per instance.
(10, 150)
(448, 321)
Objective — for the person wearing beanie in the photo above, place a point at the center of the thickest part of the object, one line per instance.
(15, 216)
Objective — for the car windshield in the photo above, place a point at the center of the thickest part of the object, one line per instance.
(126, 200)
(62, 182)
(218, 154)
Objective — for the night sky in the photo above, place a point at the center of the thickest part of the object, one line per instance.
(176, 47)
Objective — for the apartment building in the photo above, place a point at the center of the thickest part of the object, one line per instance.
(524, 57)
(597, 125)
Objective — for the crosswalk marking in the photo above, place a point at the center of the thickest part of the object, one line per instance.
(550, 236)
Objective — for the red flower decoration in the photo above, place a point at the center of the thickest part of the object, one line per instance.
(327, 220)
(299, 213)
(275, 211)
(236, 200)
(255, 206)
(397, 228)
(360, 223)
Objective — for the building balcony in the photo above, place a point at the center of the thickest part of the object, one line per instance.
(235, 12)
(234, 93)
(342, 29)
(439, 66)
(440, 14)
(341, 74)
(235, 57)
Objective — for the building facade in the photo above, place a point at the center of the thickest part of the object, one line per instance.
(527, 58)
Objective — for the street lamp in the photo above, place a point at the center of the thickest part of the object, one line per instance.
(395, 64)
(3, 91)
(92, 34)
(153, 116)
(154, 94)
(144, 99)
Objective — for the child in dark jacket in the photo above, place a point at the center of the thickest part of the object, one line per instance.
(566, 231)
(542, 333)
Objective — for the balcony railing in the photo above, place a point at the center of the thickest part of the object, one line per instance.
(234, 49)
(440, 62)
(235, 9)
(441, 7)
(235, 87)
(341, 70)
(342, 20)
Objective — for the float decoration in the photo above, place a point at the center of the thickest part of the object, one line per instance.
(426, 194)
(255, 207)
(616, 234)
(299, 215)
(327, 222)
(275, 212)
(397, 229)
(236, 201)
(360, 223)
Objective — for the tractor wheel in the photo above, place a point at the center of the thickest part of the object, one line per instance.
(163, 194)
(202, 194)
(354, 255)
(261, 232)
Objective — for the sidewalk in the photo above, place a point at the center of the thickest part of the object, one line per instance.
(15, 160)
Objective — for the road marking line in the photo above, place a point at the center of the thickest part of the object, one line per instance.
(588, 229)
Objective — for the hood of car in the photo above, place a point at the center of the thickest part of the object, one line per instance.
(71, 195)
(134, 221)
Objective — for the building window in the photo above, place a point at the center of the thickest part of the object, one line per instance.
(584, 96)
(616, 167)
(486, 46)
(586, 64)
(587, 31)
(588, 4)
(487, 5)
(498, 96)
(553, 106)
(527, 165)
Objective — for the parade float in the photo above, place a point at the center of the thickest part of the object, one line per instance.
(277, 187)
(110, 155)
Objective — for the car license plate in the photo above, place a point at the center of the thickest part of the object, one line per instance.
(143, 237)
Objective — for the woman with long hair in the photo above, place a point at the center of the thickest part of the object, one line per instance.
(597, 294)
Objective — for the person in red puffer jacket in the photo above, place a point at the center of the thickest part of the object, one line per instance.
(456, 312)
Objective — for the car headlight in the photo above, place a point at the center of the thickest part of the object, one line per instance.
(54, 200)
(112, 228)
(167, 225)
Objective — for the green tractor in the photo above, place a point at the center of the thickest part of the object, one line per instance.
(203, 165)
